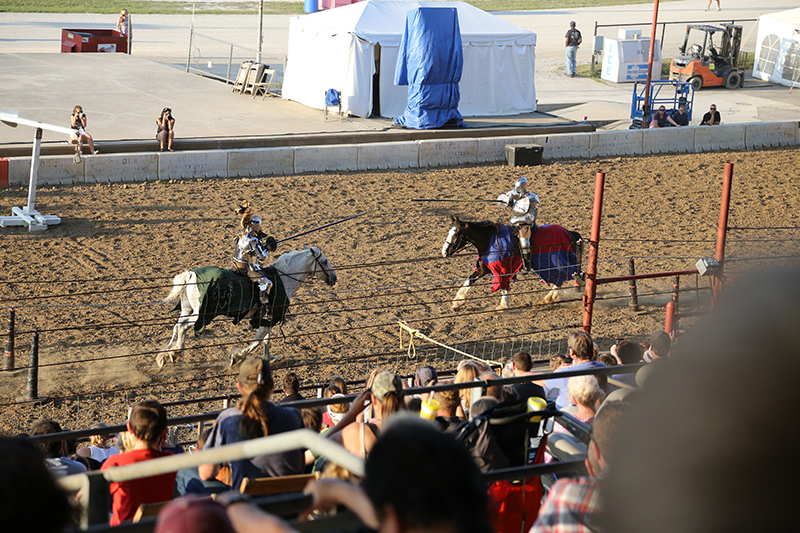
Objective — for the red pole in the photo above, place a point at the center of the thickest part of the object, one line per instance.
(668, 321)
(594, 242)
(722, 230)
(653, 29)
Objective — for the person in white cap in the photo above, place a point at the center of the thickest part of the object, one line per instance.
(523, 215)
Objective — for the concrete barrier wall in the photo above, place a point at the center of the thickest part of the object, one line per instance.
(614, 143)
(669, 140)
(441, 153)
(401, 154)
(144, 166)
(492, 149)
(564, 146)
(119, 168)
(325, 158)
(260, 162)
(722, 137)
(770, 134)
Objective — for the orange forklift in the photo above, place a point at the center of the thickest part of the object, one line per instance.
(706, 65)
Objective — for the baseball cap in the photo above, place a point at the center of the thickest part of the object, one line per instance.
(426, 374)
(384, 383)
(254, 371)
(193, 514)
(661, 343)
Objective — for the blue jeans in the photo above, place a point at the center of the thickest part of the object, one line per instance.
(572, 53)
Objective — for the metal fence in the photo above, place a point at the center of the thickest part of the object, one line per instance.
(214, 58)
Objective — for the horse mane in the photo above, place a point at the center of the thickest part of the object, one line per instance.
(284, 258)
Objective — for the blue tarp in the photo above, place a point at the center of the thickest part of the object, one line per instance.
(430, 61)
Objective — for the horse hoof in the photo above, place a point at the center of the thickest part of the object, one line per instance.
(457, 305)
(236, 359)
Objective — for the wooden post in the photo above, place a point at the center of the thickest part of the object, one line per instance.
(33, 370)
(722, 232)
(8, 360)
(594, 242)
(633, 305)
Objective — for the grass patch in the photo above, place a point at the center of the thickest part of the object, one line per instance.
(270, 8)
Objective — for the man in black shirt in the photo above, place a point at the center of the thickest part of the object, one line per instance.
(573, 40)
(711, 118)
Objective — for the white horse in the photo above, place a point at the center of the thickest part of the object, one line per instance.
(293, 268)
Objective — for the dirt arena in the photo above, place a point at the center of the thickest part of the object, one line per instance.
(92, 286)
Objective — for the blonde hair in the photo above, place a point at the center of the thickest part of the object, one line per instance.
(98, 440)
(468, 372)
(585, 390)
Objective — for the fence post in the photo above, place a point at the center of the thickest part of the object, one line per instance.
(8, 361)
(633, 305)
(95, 499)
(594, 243)
(722, 231)
(676, 288)
(33, 370)
(230, 64)
(189, 55)
(669, 320)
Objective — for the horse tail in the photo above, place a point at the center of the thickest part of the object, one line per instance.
(179, 283)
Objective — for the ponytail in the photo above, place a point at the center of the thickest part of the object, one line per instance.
(392, 402)
(254, 423)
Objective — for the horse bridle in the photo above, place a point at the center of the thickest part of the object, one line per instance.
(458, 244)
(318, 263)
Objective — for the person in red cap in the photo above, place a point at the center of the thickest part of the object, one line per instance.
(193, 514)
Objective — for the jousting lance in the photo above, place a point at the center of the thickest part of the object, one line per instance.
(452, 200)
(328, 225)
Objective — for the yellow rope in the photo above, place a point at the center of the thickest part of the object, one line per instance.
(412, 350)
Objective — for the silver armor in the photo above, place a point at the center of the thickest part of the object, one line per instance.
(524, 209)
(250, 252)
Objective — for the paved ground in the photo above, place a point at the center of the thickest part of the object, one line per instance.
(122, 95)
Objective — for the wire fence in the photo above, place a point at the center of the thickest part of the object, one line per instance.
(215, 58)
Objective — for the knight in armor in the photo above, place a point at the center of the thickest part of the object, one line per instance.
(252, 249)
(523, 206)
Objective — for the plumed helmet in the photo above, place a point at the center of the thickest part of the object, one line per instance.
(520, 182)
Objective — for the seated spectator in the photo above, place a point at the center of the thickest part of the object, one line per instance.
(255, 416)
(367, 414)
(559, 360)
(585, 393)
(30, 498)
(627, 352)
(100, 447)
(291, 389)
(386, 397)
(312, 419)
(446, 417)
(481, 405)
(148, 425)
(53, 451)
(329, 392)
(417, 480)
(193, 514)
(426, 376)
(573, 504)
(468, 372)
(341, 383)
(608, 360)
(581, 350)
(660, 346)
(336, 411)
(711, 118)
(188, 479)
(680, 116)
(660, 119)
(522, 365)
(496, 391)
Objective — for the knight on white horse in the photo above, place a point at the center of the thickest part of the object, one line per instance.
(523, 206)
(252, 249)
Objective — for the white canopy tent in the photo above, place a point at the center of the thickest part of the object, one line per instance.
(778, 48)
(353, 49)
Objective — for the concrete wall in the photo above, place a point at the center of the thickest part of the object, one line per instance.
(150, 166)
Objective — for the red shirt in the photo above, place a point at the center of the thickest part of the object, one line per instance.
(129, 495)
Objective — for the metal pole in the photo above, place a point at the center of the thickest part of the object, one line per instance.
(37, 149)
(594, 242)
(722, 231)
(8, 361)
(230, 63)
(33, 370)
(653, 29)
(594, 40)
(189, 55)
(633, 305)
(676, 287)
(669, 319)
(260, 30)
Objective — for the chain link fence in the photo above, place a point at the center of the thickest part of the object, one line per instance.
(214, 58)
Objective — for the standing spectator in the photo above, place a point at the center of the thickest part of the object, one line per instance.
(124, 23)
(522, 365)
(680, 117)
(99, 447)
(573, 41)
(711, 118)
(255, 416)
(581, 349)
(573, 504)
(30, 498)
(148, 425)
(53, 451)
(166, 129)
(709, 6)
(661, 118)
(78, 123)
(291, 388)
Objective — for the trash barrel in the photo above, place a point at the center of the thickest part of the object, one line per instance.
(311, 6)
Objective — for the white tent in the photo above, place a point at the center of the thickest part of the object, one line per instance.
(778, 48)
(354, 49)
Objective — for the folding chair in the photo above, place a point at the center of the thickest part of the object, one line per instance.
(241, 77)
(263, 86)
(333, 99)
(254, 75)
